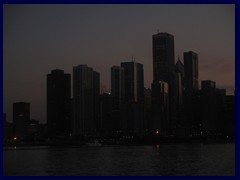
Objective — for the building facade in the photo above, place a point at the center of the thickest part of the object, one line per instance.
(132, 111)
(86, 87)
(58, 103)
(209, 107)
(163, 56)
(21, 119)
(164, 70)
(160, 109)
(179, 83)
(117, 86)
(134, 81)
(191, 71)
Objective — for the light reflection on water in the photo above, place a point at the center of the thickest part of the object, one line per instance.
(160, 160)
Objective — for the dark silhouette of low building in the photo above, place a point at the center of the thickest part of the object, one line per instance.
(192, 123)
(21, 119)
(7, 129)
(33, 129)
(221, 118)
(132, 118)
(230, 116)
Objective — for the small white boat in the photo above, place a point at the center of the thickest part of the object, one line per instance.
(94, 143)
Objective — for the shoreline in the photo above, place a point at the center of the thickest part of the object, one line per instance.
(131, 142)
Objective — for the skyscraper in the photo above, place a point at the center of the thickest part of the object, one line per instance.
(179, 82)
(117, 85)
(132, 113)
(109, 123)
(178, 89)
(160, 104)
(86, 87)
(209, 106)
(164, 70)
(191, 71)
(192, 102)
(163, 56)
(134, 84)
(58, 103)
(179, 67)
(96, 101)
(21, 119)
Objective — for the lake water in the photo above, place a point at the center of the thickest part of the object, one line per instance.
(159, 160)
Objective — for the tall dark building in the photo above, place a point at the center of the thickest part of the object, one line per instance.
(179, 67)
(163, 56)
(191, 71)
(109, 123)
(215, 119)
(164, 70)
(96, 100)
(86, 87)
(134, 83)
(179, 82)
(192, 104)
(160, 109)
(209, 106)
(179, 100)
(58, 103)
(117, 85)
(21, 119)
(147, 109)
(132, 112)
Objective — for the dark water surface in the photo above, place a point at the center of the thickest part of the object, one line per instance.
(160, 160)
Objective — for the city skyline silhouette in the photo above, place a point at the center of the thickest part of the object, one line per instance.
(97, 89)
(40, 38)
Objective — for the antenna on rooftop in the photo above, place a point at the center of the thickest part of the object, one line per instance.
(157, 30)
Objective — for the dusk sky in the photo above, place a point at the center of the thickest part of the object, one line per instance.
(40, 38)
